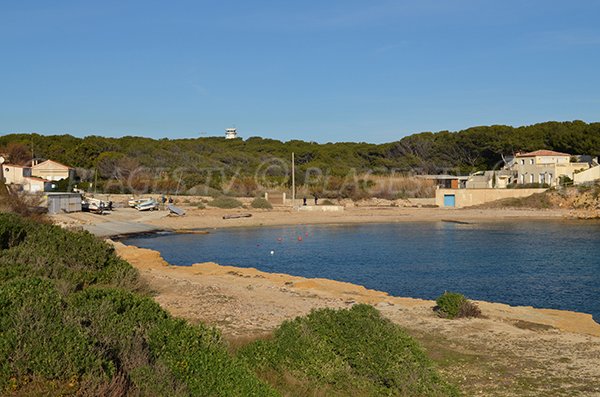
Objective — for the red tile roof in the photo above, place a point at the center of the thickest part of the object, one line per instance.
(542, 153)
(35, 178)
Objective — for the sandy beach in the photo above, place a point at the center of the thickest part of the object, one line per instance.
(129, 221)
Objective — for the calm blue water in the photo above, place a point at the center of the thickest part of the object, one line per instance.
(551, 264)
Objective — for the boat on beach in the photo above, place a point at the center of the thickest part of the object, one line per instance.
(147, 205)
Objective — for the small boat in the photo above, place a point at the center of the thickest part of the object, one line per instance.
(147, 205)
(175, 210)
(89, 204)
(237, 216)
(135, 202)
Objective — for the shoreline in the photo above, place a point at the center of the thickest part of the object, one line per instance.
(512, 351)
(564, 320)
(128, 222)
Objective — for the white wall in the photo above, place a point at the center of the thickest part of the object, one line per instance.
(591, 175)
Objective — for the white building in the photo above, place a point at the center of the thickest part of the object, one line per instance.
(231, 133)
(545, 167)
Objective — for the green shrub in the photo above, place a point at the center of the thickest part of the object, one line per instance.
(12, 230)
(72, 322)
(225, 202)
(345, 352)
(454, 305)
(261, 203)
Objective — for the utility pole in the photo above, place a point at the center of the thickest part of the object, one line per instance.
(1, 171)
(293, 181)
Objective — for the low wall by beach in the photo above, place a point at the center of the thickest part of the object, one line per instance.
(321, 208)
(459, 198)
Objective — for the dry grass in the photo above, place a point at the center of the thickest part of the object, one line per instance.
(395, 187)
(27, 205)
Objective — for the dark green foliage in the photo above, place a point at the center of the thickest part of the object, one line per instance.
(453, 305)
(210, 162)
(225, 202)
(261, 203)
(35, 339)
(71, 320)
(449, 303)
(12, 231)
(74, 259)
(347, 352)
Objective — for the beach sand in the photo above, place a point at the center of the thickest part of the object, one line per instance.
(129, 221)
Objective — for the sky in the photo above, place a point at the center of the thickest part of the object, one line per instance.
(325, 71)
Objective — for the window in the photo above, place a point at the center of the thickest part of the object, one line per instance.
(522, 178)
(549, 178)
(542, 177)
(523, 162)
(531, 161)
(531, 178)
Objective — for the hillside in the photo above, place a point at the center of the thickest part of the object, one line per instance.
(184, 163)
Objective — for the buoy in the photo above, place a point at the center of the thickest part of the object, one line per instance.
(299, 238)
(279, 239)
(272, 252)
(306, 234)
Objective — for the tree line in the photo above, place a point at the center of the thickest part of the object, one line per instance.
(213, 160)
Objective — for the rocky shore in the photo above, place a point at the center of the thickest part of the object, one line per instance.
(512, 351)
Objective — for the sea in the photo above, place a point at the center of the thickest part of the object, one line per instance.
(544, 264)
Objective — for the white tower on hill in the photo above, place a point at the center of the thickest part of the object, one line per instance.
(231, 133)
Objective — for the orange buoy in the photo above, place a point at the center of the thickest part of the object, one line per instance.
(299, 238)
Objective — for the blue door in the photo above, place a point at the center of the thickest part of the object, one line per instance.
(449, 200)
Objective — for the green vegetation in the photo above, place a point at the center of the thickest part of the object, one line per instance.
(454, 305)
(208, 166)
(343, 353)
(72, 321)
(76, 320)
(225, 202)
(261, 203)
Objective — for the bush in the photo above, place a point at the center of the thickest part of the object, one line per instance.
(225, 202)
(345, 352)
(261, 203)
(73, 323)
(454, 305)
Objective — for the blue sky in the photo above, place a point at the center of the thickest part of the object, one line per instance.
(332, 70)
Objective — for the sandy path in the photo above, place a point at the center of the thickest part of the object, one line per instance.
(515, 351)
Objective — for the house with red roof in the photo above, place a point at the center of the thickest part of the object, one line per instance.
(545, 167)
(39, 177)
